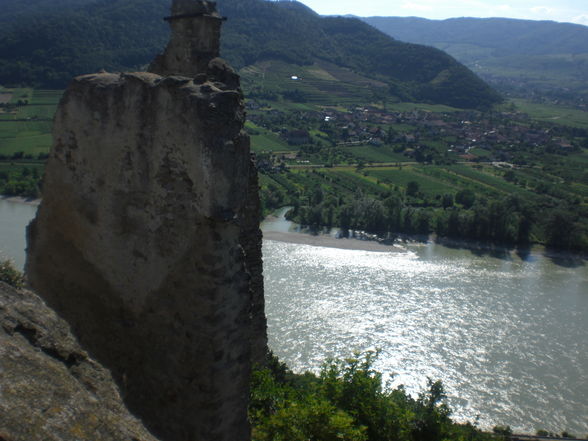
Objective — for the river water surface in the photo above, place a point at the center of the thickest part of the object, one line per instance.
(507, 336)
(14, 217)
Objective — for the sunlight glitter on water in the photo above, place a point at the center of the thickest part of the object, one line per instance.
(507, 337)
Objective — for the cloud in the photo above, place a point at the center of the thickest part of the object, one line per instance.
(417, 7)
(581, 19)
(543, 10)
(504, 8)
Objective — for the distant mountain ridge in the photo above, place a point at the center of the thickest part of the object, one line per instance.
(49, 47)
(543, 55)
(510, 35)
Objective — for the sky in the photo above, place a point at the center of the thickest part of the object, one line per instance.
(571, 11)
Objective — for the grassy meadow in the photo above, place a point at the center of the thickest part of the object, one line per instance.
(554, 114)
(26, 122)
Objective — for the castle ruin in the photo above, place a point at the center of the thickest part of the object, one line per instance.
(147, 240)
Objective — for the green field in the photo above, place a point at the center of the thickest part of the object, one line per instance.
(27, 127)
(375, 154)
(428, 185)
(486, 179)
(408, 107)
(321, 83)
(555, 114)
(356, 181)
(30, 143)
(263, 140)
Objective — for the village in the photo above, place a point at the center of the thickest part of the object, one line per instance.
(418, 135)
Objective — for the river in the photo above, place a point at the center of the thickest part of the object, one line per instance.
(14, 217)
(507, 336)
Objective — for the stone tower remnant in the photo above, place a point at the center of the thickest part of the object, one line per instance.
(195, 39)
(147, 240)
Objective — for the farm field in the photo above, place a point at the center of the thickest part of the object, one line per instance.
(321, 83)
(554, 114)
(26, 122)
(375, 154)
(263, 140)
(432, 180)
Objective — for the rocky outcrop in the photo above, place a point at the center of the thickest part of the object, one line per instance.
(147, 240)
(50, 389)
(137, 245)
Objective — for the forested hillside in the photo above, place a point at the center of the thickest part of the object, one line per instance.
(520, 56)
(49, 46)
(12, 10)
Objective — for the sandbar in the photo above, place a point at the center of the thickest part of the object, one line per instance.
(20, 200)
(323, 240)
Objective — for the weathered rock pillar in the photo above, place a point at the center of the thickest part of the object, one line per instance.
(147, 240)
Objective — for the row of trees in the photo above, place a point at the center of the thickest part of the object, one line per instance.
(24, 182)
(509, 220)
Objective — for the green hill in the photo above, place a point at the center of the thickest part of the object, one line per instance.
(14, 10)
(49, 48)
(50, 45)
(521, 56)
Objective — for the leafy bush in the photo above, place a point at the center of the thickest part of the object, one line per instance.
(347, 401)
(10, 275)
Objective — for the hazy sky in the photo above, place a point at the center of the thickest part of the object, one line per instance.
(574, 11)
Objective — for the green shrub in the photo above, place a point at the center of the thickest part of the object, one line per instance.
(10, 275)
(348, 402)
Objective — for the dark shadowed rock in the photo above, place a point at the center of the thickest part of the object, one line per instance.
(50, 389)
(251, 240)
(220, 71)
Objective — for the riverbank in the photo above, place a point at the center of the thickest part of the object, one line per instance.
(277, 227)
(324, 240)
(20, 200)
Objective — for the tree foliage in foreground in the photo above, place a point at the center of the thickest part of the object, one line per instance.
(348, 402)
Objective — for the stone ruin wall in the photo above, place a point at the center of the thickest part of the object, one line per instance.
(147, 240)
(190, 48)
